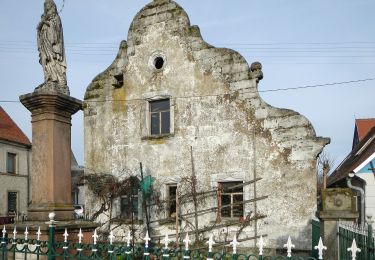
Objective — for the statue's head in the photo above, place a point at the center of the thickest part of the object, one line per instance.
(50, 7)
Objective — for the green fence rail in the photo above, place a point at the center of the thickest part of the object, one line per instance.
(13, 247)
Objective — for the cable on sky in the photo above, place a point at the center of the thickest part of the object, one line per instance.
(217, 95)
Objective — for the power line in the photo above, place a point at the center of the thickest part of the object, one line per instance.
(223, 94)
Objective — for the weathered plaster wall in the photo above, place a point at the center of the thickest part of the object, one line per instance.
(216, 109)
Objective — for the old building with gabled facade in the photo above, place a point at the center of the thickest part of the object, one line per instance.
(182, 107)
(15, 168)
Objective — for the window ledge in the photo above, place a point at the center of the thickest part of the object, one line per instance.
(125, 221)
(157, 137)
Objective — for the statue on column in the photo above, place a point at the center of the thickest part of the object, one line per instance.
(51, 50)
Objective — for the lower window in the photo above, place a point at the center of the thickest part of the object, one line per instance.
(12, 203)
(230, 199)
(129, 205)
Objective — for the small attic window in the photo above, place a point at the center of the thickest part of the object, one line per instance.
(119, 80)
(158, 63)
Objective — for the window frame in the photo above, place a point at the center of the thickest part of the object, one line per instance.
(16, 202)
(14, 162)
(160, 116)
(134, 198)
(169, 204)
(221, 192)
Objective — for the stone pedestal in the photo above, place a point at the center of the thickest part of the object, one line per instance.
(51, 153)
(338, 204)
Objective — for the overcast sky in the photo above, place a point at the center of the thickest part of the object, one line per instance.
(299, 43)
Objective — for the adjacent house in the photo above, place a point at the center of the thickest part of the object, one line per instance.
(219, 158)
(357, 170)
(15, 167)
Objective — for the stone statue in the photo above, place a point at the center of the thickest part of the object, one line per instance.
(51, 50)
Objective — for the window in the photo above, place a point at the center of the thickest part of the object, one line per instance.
(230, 199)
(11, 163)
(172, 193)
(12, 203)
(129, 204)
(160, 116)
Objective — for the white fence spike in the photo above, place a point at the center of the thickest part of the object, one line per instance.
(234, 244)
(354, 249)
(166, 241)
(4, 232)
(147, 239)
(289, 247)
(320, 247)
(38, 234)
(14, 233)
(210, 243)
(80, 236)
(95, 237)
(186, 241)
(26, 233)
(111, 237)
(128, 239)
(261, 244)
(65, 235)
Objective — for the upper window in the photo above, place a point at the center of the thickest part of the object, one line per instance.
(11, 163)
(230, 199)
(160, 117)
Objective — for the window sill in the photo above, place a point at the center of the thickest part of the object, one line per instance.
(126, 221)
(157, 137)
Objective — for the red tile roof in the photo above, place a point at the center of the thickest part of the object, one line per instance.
(9, 131)
(364, 126)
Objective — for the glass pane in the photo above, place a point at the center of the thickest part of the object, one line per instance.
(165, 122)
(225, 208)
(135, 206)
(172, 200)
(11, 163)
(155, 123)
(125, 209)
(232, 187)
(237, 208)
(159, 105)
(12, 202)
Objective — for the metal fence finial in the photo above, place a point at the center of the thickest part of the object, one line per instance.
(147, 239)
(234, 243)
(261, 244)
(186, 241)
(95, 236)
(128, 239)
(38, 234)
(354, 249)
(289, 246)
(111, 237)
(320, 247)
(80, 236)
(4, 232)
(65, 235)
(210, 243)
(26, 233)
(166, 241)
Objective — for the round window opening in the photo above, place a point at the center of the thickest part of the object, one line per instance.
(158, 63)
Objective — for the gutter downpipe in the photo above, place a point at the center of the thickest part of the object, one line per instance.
(349, 183)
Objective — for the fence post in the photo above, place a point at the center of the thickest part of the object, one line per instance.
(51, 235)
(370, 240)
